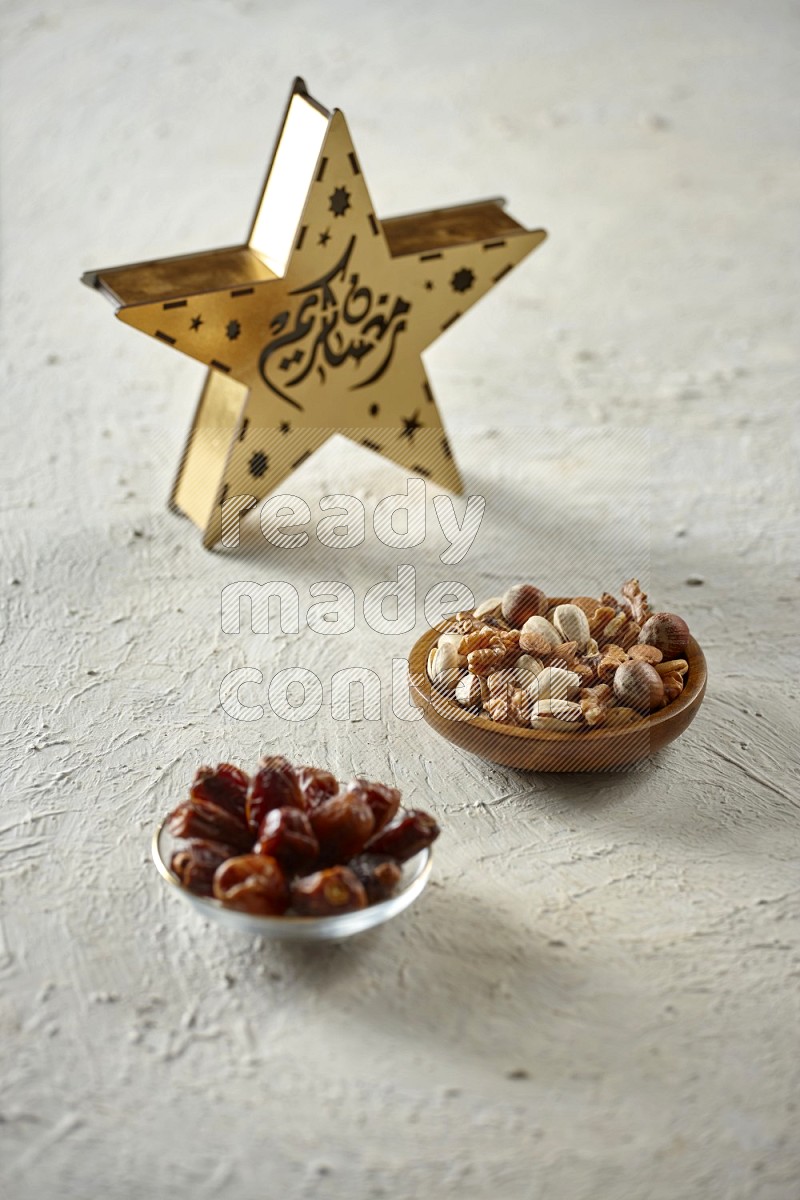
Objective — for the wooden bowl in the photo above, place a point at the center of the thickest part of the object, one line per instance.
(536, 750)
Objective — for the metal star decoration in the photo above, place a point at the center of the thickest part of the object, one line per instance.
(316, 324)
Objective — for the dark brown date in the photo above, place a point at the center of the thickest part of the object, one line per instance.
(335, 890)
(286, 835)
(316, 784)
(252, 883)
(413, 832)
(274, 785)
(224, 785)
(206, 820)
(196, 863)
(382, 799)
(378, 873)
(342, 825)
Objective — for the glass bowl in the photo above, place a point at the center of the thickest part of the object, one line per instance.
(416, 873)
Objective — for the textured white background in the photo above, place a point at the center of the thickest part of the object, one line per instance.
(599, 995)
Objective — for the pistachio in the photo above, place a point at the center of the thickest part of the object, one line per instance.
(454, 640)
(509, 678)
(527, 662)
(431, 663)
(573, 624)
(445, 673)
(489, 608)
(556, 715)
(542, 627)
(468, 691)
(556, 683)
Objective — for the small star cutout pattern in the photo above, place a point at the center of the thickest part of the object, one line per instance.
(339, 201)
(232, 330)
(374, 409)
(428, 285)
(284, 427)
(324, 237)
(196, 323)
(258, 464)
(410, 426)
(463, 280)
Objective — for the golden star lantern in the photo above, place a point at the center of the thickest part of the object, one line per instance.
(316, 325)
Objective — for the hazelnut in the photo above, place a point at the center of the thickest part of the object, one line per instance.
(638, 685)
(521, 602)
(667, 632)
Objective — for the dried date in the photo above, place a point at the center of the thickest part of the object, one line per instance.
(316, 784)
(224, 785)
(196, 863)
(342, 824)
(254, 884)
(274, 785)
(202, 819)
(413, 832)
(327, 893)
(382, 799)
(286, 835)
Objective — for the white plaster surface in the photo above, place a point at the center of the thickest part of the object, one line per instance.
(598, 996)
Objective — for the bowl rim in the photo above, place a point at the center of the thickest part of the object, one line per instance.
(418, 880)
(447, 707)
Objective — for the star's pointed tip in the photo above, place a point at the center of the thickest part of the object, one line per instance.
(535, 237)
(529, 240)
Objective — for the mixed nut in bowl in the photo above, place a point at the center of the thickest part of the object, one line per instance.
(291, 853)
(559, 683)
